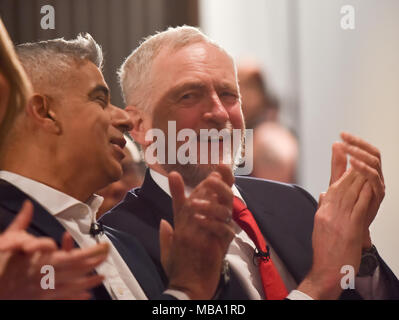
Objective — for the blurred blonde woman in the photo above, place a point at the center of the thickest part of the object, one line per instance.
(15, 87)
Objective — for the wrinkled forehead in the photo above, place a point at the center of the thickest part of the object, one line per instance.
(198, 62)
(195, 54)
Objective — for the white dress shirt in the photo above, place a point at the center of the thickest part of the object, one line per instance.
(76, 217)
(240, 258)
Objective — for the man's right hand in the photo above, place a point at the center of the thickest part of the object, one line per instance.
(192, 253)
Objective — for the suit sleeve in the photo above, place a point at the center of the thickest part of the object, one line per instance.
(390, 279)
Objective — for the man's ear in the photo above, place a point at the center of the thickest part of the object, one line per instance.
(139, 129)
(39, 111)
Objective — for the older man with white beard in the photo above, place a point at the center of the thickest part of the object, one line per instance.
(282, 248)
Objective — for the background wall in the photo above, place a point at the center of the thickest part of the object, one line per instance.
(349, 80)
(118, 25)
(329, 80)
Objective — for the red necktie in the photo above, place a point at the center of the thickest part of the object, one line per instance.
(273, 286)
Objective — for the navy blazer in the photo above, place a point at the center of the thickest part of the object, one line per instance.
(45, 225)
(283, 212)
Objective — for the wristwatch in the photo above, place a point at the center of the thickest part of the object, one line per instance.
(369, 262)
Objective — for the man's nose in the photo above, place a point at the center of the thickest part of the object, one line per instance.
(120, 119)
(217, 112)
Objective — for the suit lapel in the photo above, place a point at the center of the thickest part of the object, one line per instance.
(139, 263)
(161, 205)
(11, 198)
(159, 201)
(281, 231)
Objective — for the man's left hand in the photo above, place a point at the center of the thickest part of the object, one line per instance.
(366, 159)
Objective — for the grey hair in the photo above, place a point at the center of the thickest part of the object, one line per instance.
(49, 60)
(134, 74)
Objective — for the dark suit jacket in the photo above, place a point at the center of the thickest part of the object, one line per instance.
(45, 225)
(284, 214)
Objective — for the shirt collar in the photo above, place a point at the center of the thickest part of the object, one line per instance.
(163, 183)
(54, 201)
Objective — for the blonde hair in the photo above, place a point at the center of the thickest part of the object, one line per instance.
(20, 86)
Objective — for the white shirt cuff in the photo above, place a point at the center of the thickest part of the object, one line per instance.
(298, 295)
(179, 295)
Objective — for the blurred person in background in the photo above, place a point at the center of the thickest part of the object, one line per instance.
(258, 104)
(275, 152)
(22, 255)
(133, 168)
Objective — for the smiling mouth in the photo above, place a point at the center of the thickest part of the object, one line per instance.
(120, 142)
